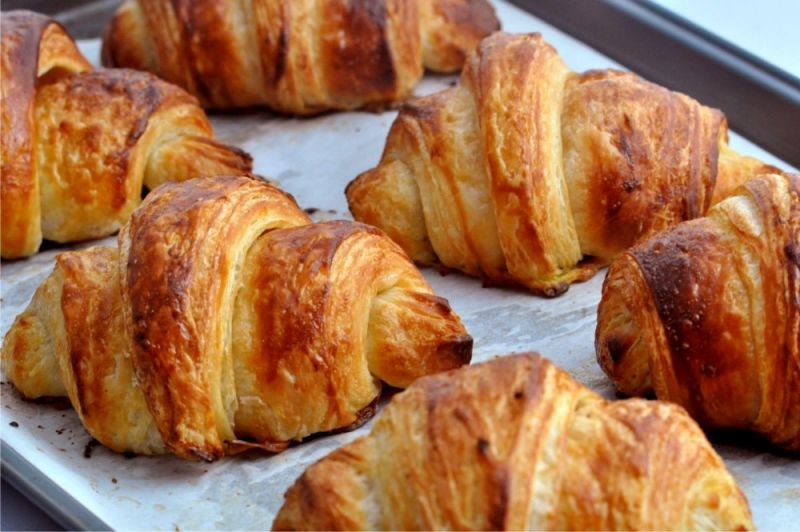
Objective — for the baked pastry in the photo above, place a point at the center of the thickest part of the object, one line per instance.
(516, 444)
(526, 168)
(226, 321)
(296, 56)
(77, 144)
(707, 315)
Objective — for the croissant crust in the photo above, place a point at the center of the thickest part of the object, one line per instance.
(516, 444)
(527, 173)
(299, 56)
(225, 320)
(707, 314)
(78, 145)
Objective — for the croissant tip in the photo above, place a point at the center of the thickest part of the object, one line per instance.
(553, 291)
(459, 347)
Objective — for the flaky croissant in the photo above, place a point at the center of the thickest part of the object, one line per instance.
(77, 145)
(707, 315)
(225, 320)
(516, 444)
(525, 168)
(296, 56)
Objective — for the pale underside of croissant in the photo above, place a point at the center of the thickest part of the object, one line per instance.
(516, 444)
(226, 320)
(296, 56)
(526, 168)
(707, 315)
(77, 144)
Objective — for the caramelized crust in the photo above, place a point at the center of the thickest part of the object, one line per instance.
(225, 321)
(516, 444)
(33, 46)
(79, 145)
(530, 174)
(360, 295)
(299, 57)
(707, 315)
(181, 260)
(451, 29)
(75, 349)
(637, 169)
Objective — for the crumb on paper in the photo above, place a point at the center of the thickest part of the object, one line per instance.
(87, 451)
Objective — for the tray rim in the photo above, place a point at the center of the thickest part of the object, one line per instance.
(45, 493)
(760, 100)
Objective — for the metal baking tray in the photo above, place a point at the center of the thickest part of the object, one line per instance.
(47, 455)
(760, 100)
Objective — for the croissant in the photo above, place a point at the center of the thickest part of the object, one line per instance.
(78, 144)
(707, 315)
(525, 168)
(225, 320)
(516, 444)
(296, 56)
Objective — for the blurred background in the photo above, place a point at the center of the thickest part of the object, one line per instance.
(766, 28)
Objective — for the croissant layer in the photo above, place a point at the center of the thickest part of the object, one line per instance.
(79, 145)
(525, 169)
(33, 46)
(516, 444)
(226, 320)
(707, 314)
(298, 57)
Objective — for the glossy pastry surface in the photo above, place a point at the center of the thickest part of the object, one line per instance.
(298, 56)
(707, 315)
(79, 145)
(527, 173)
(515, 444)
(225, 320)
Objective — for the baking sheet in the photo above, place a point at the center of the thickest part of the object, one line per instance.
(314, 159)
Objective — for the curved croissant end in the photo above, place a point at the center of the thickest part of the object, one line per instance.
(451, 29)
(221, 315)
(516, 444)
(72, 341)
(707, 315)
(525, 168)
(298, 57)
(75, 164)
(366, 314)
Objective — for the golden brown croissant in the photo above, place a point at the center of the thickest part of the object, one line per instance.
(225, 318)
(525, 168)
(77, 144)
(296, 56)
(707, 315)
(516, 444)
